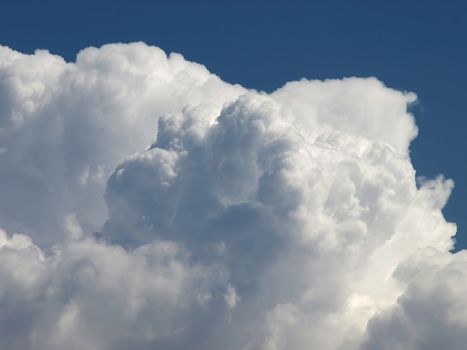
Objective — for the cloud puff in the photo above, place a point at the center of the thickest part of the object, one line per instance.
(431, 314)
(66, 126)
(165, 208)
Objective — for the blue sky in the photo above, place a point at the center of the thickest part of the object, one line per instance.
(147, 201)
(417, 46)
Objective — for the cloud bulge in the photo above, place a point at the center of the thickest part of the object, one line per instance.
(147, 204)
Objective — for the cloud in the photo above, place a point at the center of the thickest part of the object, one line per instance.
(164, 208)
(66, 126)
(431, 314)
(90, 294)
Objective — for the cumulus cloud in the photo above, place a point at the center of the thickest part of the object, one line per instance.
(160, 207)
(66, 126)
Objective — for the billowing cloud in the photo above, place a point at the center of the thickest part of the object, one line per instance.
(160, 207)
(66, 126)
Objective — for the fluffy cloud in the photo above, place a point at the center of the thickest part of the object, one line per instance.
(87, 294)
(165, 208)
(66, 126)
(432, 312)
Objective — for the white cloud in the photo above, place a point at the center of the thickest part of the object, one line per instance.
(99, 296)
(232, 219)
(432, 313)
(64, 127)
